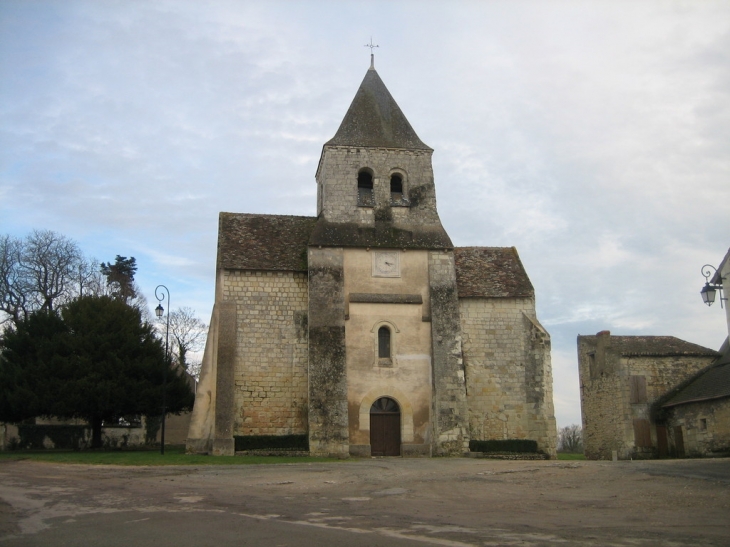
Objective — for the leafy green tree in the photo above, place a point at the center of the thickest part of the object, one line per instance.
(120, 277)
(97, 361)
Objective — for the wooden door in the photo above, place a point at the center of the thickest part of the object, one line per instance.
(661, 441)
(679, 441)
(385, 428)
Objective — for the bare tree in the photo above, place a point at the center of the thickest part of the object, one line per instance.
(570, 439)
(188, 334)
(49, 261)
(89, 279)
(13, 293)
(38, 272)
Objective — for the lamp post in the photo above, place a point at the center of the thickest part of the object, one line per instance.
(710, 289)
(159, 310)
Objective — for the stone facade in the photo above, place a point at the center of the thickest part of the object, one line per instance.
(364, 327)
(508, 370)
(705, 427)
(622, 378)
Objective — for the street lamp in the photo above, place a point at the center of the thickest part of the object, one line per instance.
(710, 289)
(159, 310)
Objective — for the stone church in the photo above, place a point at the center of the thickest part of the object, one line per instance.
(363, 327)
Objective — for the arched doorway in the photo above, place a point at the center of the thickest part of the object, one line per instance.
(385, 427)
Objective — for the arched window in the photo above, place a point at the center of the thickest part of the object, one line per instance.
(396, 188)
(365, 189)
(383, 343)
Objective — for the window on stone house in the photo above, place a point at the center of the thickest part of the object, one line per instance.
(365, 197)
(637, 386)
(396, 188)
(703, 424)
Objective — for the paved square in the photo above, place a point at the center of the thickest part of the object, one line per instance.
(395, 502)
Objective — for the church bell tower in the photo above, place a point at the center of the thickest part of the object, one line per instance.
(378, 259)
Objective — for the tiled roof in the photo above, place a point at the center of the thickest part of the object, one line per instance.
(712, 383)
(655, 346)
(490, 272)
(263, 242)
(375, 120)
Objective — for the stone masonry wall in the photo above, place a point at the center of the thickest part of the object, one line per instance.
(271, 362)
(337, 184)
(705, 427)
(508, 371)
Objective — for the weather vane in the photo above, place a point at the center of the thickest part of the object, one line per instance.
(372, 55)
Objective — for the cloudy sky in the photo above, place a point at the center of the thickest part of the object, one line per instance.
(592, 136)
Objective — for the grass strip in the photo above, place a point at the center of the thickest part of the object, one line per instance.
(173, 456)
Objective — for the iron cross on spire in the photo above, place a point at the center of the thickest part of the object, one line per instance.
(372, 55)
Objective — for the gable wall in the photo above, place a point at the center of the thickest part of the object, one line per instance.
(508, 371)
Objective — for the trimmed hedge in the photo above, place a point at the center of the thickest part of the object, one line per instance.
(507, 445)
(266, 442)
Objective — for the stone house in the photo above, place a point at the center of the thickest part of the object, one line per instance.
(621, 378)
(363, 327)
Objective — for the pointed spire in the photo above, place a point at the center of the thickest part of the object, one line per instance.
(375, 120)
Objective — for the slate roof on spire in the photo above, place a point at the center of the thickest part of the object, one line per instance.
(374, 120)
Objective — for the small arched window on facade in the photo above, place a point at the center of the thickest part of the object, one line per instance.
(365, 196)
(396, 189)
(384, 346)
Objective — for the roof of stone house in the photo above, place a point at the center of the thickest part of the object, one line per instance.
(492, 272)
(711, 383)
(263, 242)
(653, 346)
(375, 120)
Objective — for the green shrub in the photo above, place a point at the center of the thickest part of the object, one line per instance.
(506, 445)
(267, 442)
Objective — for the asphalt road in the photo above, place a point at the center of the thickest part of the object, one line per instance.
(395, 502)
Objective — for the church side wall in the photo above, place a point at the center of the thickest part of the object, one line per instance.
(508, 371)
(270, 396)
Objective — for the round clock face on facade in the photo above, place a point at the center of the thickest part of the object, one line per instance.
(386, 264)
